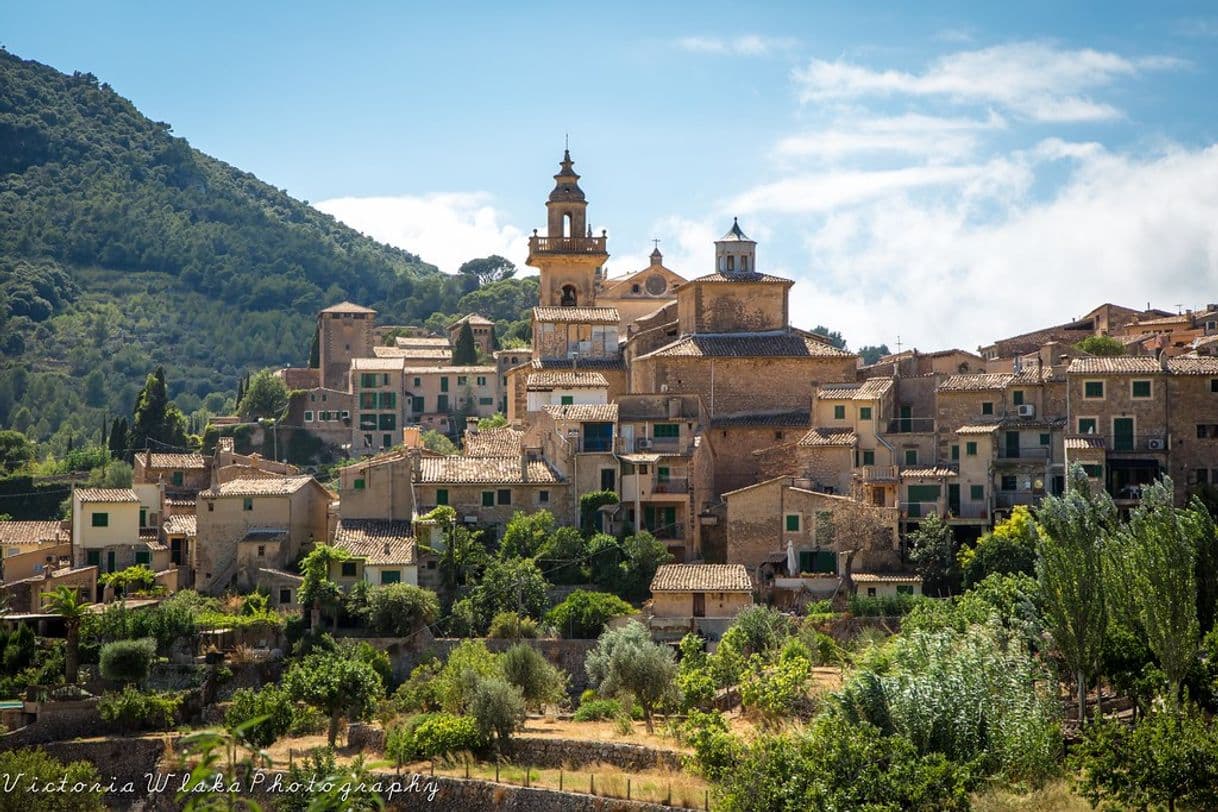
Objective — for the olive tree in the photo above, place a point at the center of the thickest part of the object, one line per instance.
(335, 686)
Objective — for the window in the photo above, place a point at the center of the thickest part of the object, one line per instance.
(386, 440)
(1008, 482)
(143, 517)
(976, 493)
(1093, 390)
(348, 569)
(441, 496)
(566, 400)
(481, 380)
(177, 478)
(386, 421)
(505, 496)
(1086, 425)
(1017, 397)
(1203, 476)
(839, 412)
(1046, 438)
(662, 473)
(608, 479)
(93, 557)
(871, 592)
(666, 431)
(1202, 432)
(359, 484)
(367, 400)
(904, 589)
(308, 416)
(1214, 385)
(864, 413)
(868, 457)
(285, 596)
(488, 499)
(101, 519)
(388, 400)
(441, 403)
(970, 448)
(1140, 389)
(416, 404)
(262, 551)
(543, 497)
(443, 383)
(367, 422)
(987, 407)
(911, 456)
(486, 401)
(792, 522)
(1094, 471)
(955, 452)
(778, 435)
(391, 576)
(211, 506)
(247, 503)
(143, 557)
(367, 380)
(418, 381)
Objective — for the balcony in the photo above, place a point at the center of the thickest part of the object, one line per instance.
(971, 510)
(657, 445)
(566, 245)
(1136, 443)
(1029, 453)
(911, 425)
(671, 485)
(920, 510)
(877, 473)
(1010, 499)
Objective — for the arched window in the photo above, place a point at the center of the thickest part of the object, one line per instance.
(569, 296)
(731, 262)
(744, 262)
(566, 225)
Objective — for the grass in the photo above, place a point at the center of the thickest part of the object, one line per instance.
(1052, 797)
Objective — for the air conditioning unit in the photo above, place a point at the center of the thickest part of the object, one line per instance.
(1026, 410)
(1156, 443)
(644, 442)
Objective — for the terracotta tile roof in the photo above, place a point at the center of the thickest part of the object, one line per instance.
(269, 486)
(751, 276)
(794, 419)
(749, 345)
(886, 578)
(180, 525)
(414, 353)
(180, 501)
(823, 437)
(1084, 441)
(975, 382)
(376, 364)
(501, 442)
(978, 428)
(701, 578)
(579, 315)
(348, 307)
(472, 318)
(580, 412)
(183, 461)
(21, 533)
(1116, 365)
(928, 472)
(105, 495)
(484, 470)
(566, 379)
(872, 389)
(422, 342)
(1193, 366)
(449, 370)
(376, 541)
(580, 363)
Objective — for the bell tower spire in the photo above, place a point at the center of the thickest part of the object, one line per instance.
(568, 256)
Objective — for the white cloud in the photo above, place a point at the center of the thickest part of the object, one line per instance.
(1033, 79)
(827, 191)
(445, 229)
(746, 45)
(933, 137)
(1118, 229)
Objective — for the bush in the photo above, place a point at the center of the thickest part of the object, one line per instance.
(715, 750)
(400, 609)
(271, 706)
(777, 691)
(498, 708)
(583, 614)
(127, 661)
(883, 605)
(133, 710)
(598, 710)
(307, 721)
(539, 681)
(418, 692)
(442, 733)
(35, 766)
(455, 683)
(511, 626)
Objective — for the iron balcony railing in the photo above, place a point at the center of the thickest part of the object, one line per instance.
(567, 245)
(671, 485)
(1025, 452)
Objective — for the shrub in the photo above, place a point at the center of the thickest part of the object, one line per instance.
(133, 710)
(455, 683)
(715, 749)
(35, 766)
(399, 609)
(307, 720)
(778, 691)
(511, 626)
(538, 680)
(271, 706)
(583, 614)
(598, 710)
(442, 733)
(498, 708)
(399, 740)
(882, 605)
(418, 692)
(127, 661)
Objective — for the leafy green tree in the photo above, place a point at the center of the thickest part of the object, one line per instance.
(539, 681)
(15, 450)
(157, 422)
(1010, 548)
(872, 354)
(465, 349)
(526, 534)
(583, 614)
(932, 549)
(401, 609)
(317, 590)
(37, 767)
(118, 441)
(461, 554)
(499, 709)
(488, 270)
(834, 337)
(266, 396)
(589, 509)
(1070, 569)
(260, 718)
(564, 557)
(127, 661)
(1101, 345)
(469, 662)
(495, 421)
(777, 691)
(509, 585)
(626, 661)
(437, 442)
(68, 604)
(336, 686)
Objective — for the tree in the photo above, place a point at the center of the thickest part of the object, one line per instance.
(589, 509)
(462, 556)
(1070, 569)
(400, 609)
(1151, 569)
(157, 422)
(538, 680)
(633, 664)
(437, 442)
(487, 270)
(932, 549)
(526, 534)
(315, 351)
(1101, 345)
(495, 421)
(118, 442)
(68, 604)
(317, 590)
(465, 350)
(1009, 549)
(872, 354)
(834, 337)
(127, 661)
(498, 708)
(564, 557)
(583, 614)
(453, 687)
(335, 686)
(857, 527)
(261, 717)
(513, 585)
(36, 767)
(15, 450)
(265, 396)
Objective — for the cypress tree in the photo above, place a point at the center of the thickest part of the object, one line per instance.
(315, 351)
(465, 351)
(118, 438)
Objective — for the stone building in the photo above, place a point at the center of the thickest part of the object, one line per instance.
(482, 328)
(637, 294)
(111, 529)
(1192, 392)
(380, 553)
(697, 598)
(344, 332)
(180, 474)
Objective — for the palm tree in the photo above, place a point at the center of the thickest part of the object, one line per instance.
(68, 604)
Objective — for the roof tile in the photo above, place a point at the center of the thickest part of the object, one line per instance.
(504, 441)
(263, 486)
(22, 533)
(377, 541)
(485, 470)
(749, 345)
(826, 437)
(566, 378)
(701, 578)
(1115, 365)
(106, 495)
(581, 412)
(580, 315)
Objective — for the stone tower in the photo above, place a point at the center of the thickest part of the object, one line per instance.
(344, 331)
(568, 256)
(735, 254)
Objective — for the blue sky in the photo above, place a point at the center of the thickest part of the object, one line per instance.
(948, 175)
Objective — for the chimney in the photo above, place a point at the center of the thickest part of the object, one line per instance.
(416, 463)
(524, 464)
(471, 423)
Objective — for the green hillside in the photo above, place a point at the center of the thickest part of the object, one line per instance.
(122, 247)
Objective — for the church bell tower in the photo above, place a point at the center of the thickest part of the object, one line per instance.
(568, 256)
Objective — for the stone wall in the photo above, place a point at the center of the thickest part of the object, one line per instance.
(121, 760)
(56, 721)
(552, 753)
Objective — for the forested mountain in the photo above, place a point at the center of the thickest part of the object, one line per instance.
(123, 248)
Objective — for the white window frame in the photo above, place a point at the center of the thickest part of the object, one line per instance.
(1103, 385)
(1150, 381)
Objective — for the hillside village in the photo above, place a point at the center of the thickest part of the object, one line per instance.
(723, 459)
